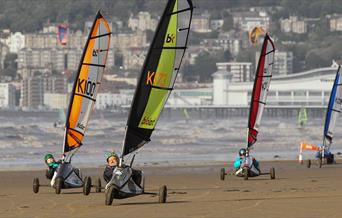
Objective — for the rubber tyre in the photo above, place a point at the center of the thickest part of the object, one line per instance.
(87, 185)
(109, 195)
(222, 174)
(35, 185)
(245, 174)
(58, 185)
(98, 185)
(308, 163)
(319, 162)
(162, 194)
(272, 173)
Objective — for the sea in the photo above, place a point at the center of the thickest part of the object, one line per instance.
(25, 137)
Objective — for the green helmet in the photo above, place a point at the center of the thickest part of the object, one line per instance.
(48, 156)
(111, 154)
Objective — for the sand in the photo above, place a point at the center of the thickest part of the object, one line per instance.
(194, 191)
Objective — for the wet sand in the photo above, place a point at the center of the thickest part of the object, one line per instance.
(193, 191)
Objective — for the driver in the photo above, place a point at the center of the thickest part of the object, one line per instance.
(327, 153)
(112, 163)
(52, 165)
(240, 157)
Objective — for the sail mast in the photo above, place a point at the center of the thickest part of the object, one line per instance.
(334, 108)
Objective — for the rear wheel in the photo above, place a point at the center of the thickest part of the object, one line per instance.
(58, 185)
(162, 194)
(87, 185)
(272, 173)
(98, 185)
(319, 162)
(308, 163)
(222, 174)
(35, 185)
(109, 195)
(245, 174)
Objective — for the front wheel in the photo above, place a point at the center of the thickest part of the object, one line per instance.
(162, 194)
(222, 174)
(245, 174)
(58, 185)
(308, 163)
(35, 185)
(109, 195)
(87, 185)
(272, 173)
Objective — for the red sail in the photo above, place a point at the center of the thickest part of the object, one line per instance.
(261, 88)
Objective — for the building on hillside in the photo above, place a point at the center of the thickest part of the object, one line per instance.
(15, 41)
(55, 101)
(310, 88)
(129, 40)
(216, 24)
(32, 93)
(283, 62)
(7, 96)
(246, 21)
(142, 21)
(112, 100)
(238, 71)
(49, 60)
(225, 42)
(293, 25)
(33, 90)
(335, 22)
(4, 50)
(200, 23)
(133, 58)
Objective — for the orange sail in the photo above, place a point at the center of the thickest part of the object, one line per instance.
(87, 83)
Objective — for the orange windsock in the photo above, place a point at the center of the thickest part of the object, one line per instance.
(310, 147)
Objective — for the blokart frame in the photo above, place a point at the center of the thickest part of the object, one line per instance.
(122, 185)
(67, 177)
(323, 159)
(246, 170)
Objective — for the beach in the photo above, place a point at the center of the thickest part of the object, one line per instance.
(193, 191)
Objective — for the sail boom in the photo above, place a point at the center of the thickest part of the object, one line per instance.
(162, 88)
(102, 35)
(85, 96)
(268, 53)
(180, 11)
(264, 76)
(95, 65)
(181, 48)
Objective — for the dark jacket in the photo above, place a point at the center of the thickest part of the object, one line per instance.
(108, 173)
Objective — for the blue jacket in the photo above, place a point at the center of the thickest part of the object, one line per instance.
(318, 154)
(238, 161)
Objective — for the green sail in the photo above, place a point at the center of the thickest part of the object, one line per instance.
(159, 73)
